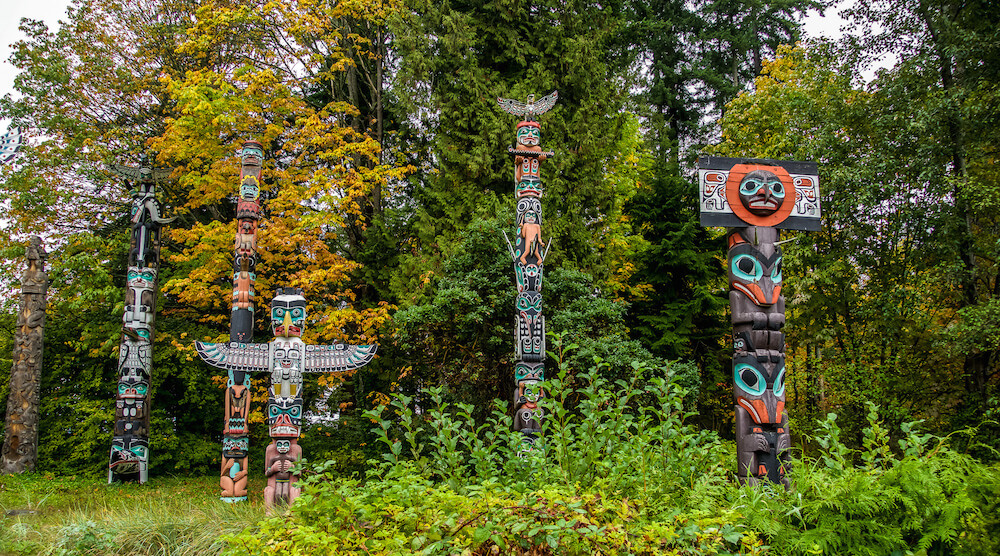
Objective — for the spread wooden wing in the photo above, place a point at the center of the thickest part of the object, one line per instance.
(251, 358)
(545, 103)
(512, 106)
(338, 357)
(9, 143)
(127, 172)
(160, 174)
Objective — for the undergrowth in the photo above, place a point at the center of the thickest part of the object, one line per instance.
(48, 515)
(620, 472)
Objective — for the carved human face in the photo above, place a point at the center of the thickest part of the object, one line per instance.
(529, 185)
(528, 134)
(762, 192)
(252, 153)
(249, 189)
(235, 447)
(283, 446)
(288, 315)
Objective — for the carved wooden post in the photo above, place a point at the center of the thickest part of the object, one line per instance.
(286, 358)
(235, 432)
(20, 445)
(756, 198)
(528, 253)
(129, 459)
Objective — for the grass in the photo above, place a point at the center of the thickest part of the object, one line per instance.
(48, 515)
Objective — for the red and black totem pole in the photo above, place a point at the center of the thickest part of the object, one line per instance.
(528, 253)
(129, 459)
(235, 432)
(755, 199)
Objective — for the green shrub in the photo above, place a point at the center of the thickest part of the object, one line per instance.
(620, 472)
(929, 500)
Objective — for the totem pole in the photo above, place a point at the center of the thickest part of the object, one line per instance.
(20, 444)
(528, 253)
(235, 433)
(10, 141)
(754, 199)
(286, 358)
(129, 459)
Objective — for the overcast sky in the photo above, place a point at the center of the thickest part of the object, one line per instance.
(51, 11)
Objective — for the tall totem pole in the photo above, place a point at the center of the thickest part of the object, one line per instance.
(528, 253)
(129, 460)
(235, 432)
(20, 445)
(754, 199)
(286, 358)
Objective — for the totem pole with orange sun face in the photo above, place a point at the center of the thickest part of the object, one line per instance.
(754, 199)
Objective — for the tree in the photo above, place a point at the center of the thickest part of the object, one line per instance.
(197, 79)
(874, 296)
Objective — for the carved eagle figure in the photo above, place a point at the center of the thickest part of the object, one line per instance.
(257, 357)
(9, 143)
(528, 110)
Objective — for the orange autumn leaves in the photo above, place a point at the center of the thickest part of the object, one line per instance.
(320, 173)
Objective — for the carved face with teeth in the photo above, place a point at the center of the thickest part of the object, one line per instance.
(762, 192)
(288, 315)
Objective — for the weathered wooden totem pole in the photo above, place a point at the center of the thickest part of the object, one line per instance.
(528, 253)
(10, 141)
(129, 460)
(754, 199)
(286, 358)
(235, 433)
(20, 444)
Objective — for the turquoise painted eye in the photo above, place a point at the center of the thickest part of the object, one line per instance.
(749, 379)
(278, 312)
(747, 268)
(777, 189)
(295, 411)
(779, 383)
(750, 187)
(296, 312)
(275, 411)
(776, 271)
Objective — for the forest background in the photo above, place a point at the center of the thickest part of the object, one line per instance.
(387, 186)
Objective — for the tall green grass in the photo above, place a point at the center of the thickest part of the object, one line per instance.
(47, 515)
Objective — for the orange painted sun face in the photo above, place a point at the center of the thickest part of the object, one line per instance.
(762, 192)
(760, 195)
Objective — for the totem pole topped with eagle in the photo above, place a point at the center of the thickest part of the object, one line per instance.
(528, 253)
(754, 199)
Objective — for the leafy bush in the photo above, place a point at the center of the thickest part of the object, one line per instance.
(929, 500)
(620, 472)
